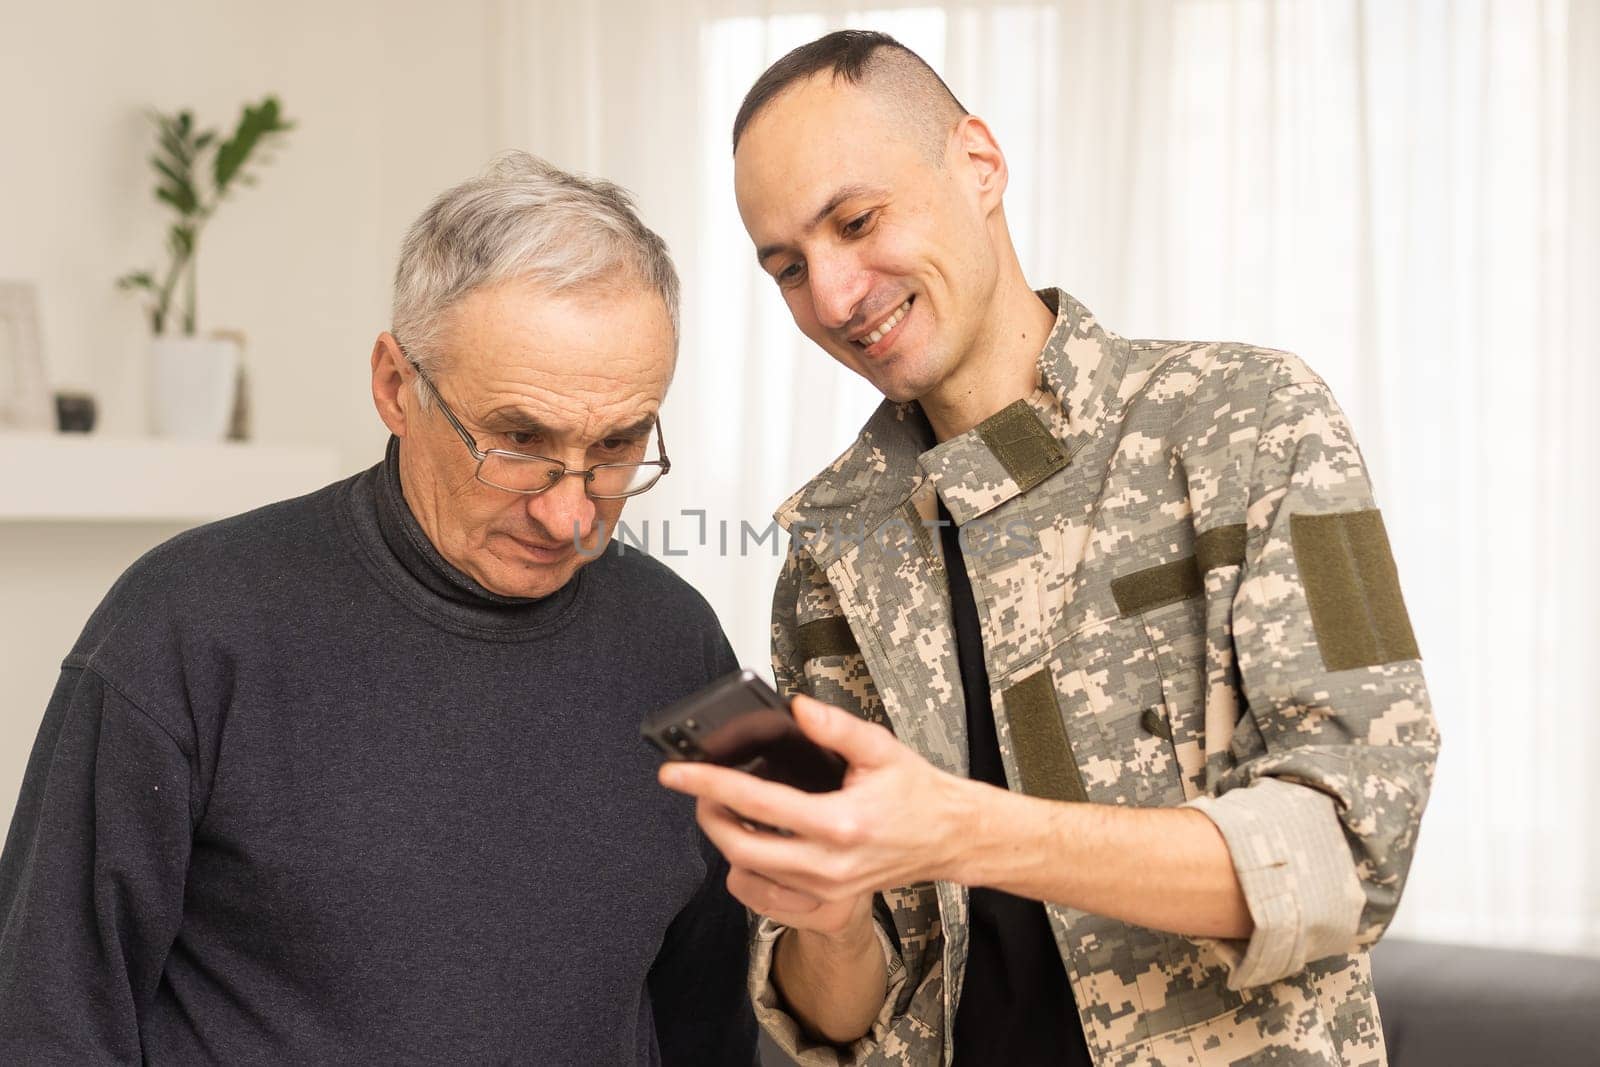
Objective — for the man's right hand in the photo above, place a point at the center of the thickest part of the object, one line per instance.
(844, 922)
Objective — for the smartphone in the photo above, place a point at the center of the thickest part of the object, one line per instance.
(738, 721)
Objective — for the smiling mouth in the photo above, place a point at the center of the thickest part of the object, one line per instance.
(886, 327)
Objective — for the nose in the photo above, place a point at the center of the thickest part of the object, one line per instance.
(564, 510)
(838, 285)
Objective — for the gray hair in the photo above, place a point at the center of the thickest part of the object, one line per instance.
(523, 219)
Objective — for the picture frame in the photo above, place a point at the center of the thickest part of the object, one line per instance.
(24, 394)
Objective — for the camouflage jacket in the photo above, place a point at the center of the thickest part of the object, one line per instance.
(1186, 597)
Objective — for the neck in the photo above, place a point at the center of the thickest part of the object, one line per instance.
(999, 369)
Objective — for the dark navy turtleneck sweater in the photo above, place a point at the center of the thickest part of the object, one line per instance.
(306, 793)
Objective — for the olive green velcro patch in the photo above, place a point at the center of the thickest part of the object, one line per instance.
(1220, 546)
(1023, 445)
(1039, 740)
(825, 637)
(1152, 587)
(1168, 583)
(1353, 589)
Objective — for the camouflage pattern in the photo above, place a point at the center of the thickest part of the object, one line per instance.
(1178, 467)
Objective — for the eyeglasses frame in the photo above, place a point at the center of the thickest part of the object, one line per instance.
(587, 474)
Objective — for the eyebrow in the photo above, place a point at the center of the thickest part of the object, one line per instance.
(515, 419)
(848, 192)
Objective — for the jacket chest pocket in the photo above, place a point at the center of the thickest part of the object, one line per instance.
(1191, 643)
(1108, 694)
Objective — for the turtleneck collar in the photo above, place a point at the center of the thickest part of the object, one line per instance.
(403, 556)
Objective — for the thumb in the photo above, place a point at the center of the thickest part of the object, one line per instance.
(861, 743)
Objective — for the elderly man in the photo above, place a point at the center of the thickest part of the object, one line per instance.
(1160, 739)
(357, 777)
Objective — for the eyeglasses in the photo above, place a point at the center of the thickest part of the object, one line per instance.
(517, 472)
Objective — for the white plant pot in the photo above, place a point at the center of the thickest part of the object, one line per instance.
(192, 383)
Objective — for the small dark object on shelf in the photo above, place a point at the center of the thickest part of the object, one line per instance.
(74, 412)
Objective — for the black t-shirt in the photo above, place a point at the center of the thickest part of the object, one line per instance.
(1016, 1006)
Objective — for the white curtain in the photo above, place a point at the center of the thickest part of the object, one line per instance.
(1402, 192)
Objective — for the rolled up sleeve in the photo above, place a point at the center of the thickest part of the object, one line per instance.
(773, 1015)
(1295, 870)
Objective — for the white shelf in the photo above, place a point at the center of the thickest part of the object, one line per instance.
(89, 478)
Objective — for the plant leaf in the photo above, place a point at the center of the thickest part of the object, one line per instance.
(180, 192)
(256, 124)
(233, 152)
(183, 206)
(174, 147)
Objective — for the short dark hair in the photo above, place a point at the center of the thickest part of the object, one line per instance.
(853, 55)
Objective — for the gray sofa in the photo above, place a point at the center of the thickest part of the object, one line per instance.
(1455, 1006)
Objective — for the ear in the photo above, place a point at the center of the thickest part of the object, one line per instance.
(977, 150)
(391, 392)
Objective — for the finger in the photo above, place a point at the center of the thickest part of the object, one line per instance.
(793, 862)
(723, 827)
(861, 743)
(763, 895)
(755, 798)
(745, 845)
(700, 778)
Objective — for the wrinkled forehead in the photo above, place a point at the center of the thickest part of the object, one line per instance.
(594, 341)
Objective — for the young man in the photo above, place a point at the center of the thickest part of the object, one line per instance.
(357, 778)
(1160, 739)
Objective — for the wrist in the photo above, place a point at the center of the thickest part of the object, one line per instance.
(999, 836)
(857, 937)
(963, 829)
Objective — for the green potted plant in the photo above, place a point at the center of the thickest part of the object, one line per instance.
(194, 379)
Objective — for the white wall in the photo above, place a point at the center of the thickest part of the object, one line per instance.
(394, 102)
